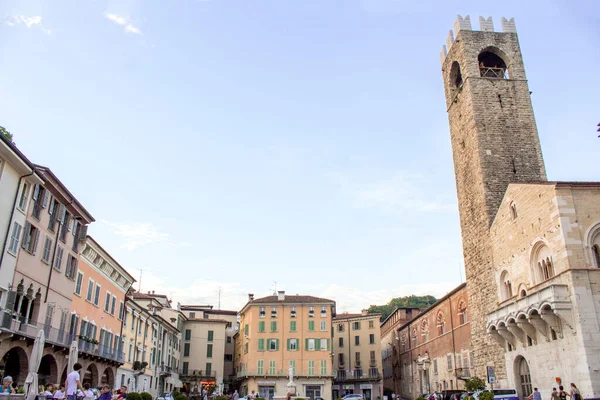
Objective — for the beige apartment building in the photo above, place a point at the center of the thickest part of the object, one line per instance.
(357, 355)
(168, 343)
(283, 335)
(207, 347)
(140, 342)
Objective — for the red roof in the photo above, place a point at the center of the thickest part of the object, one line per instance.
(291, 299)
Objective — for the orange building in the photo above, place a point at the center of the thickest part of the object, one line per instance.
(97, 313)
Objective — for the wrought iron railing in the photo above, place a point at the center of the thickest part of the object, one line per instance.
(493, 72)
(12, 323)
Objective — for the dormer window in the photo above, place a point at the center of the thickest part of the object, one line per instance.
(263, 312)
(311, 311)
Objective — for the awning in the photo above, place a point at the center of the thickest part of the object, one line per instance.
(175, 382)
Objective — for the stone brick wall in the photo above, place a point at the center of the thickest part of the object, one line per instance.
(494, 142)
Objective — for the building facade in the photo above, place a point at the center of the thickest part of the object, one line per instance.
(140, 342)
(435, 347)
(390, 342)
(357, 355)
(531, 246)
(41, 291)
(207, 335)
(97, 309)
(285, 335)
(17, 178)
(169, 338)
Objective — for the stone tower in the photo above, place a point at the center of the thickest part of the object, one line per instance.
(494, 142)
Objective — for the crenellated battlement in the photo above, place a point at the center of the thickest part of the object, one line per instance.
(464, 24)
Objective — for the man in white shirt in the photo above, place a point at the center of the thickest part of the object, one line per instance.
(73, 382)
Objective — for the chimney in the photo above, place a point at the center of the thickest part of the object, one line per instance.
(364, 311)
(250, 296)
(281, 295)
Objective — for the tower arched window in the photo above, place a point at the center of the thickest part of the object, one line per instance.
(441, 323)
(491, 65)
(462, 312)
(455, 75)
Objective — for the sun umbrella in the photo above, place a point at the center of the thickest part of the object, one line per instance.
(73, 355)
(31, 383)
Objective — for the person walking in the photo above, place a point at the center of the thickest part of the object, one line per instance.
(575, 394)
(236, 396)
(554, 394)
(74, 382)
(562, 395)
(535, 395)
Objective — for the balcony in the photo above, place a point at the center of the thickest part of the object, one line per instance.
(11, 324)
(357, 375)
(542, 313)
(198, 374)
(463, 373)
(165, 370)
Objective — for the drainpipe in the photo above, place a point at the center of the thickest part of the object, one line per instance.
(12, 213)
(453, 341)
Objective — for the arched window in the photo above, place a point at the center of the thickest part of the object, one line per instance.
(491, 65)
(441, 323)
(462, 312)
(425, 329)
(596, 253)
(505, 286)
(513, 210)
(542, 263)
(455, 75)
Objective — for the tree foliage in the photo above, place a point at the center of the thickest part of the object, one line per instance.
(474, 384)
(406, 301)
(6, 133)
(486, 396)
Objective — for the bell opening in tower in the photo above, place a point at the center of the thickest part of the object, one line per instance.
(491, 65)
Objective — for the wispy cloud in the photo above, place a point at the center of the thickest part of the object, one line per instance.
(124, 22)
(138, 234)
(28, 22)
(400, 192)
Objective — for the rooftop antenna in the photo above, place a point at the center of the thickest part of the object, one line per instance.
(220, 290)
(140, 283)
(274, 288)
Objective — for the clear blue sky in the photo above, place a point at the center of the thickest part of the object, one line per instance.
(238, 143)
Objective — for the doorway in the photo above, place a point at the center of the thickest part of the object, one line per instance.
(313, 391)
(266, 392)
(524, 377)
(367, 394)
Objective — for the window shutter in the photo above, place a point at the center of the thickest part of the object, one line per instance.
(328, 344)
(35, 241)
(26, 236)
(51, 208)
(46, 199)
(317, 344)
(36, 192)
(306, 348)
(276, 344)
(288, 344)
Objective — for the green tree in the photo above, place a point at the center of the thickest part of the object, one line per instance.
(6, 133)
(406, 301)
(474, 384)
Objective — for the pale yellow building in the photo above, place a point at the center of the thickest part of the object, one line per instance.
(283, 335)
(357, 355)
(207, 355)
